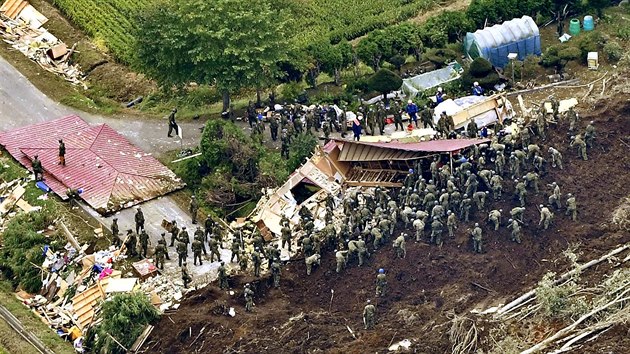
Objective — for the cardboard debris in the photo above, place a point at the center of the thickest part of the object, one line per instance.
(34, 18)
(145, 269)
(564, 105)
(57, 51)
(121, 285)
(26, 34)
(24, 205)
(10, 201)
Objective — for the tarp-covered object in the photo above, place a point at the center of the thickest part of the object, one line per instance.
(483, 109)
(519, 35)
(435, 78)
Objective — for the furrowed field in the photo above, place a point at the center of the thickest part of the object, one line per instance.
(110, 21)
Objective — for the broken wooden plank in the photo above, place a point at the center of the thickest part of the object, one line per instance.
(13, 197)
(187, 157)
(374, 184)
(69, 236)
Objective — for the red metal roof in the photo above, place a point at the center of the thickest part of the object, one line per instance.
(112, 172)
(447, 145)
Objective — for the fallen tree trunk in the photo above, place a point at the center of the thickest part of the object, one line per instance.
(512, 305)
(561, 333)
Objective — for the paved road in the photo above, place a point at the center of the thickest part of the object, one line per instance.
(21, 104)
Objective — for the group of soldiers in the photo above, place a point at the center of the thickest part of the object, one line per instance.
(436, 200)
(433, 202)
(291, 120)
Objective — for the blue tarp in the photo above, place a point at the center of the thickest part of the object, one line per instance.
(494, 43)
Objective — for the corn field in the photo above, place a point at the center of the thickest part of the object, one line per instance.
(108, 21)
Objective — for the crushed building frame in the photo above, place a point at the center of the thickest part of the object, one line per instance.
(345, 163)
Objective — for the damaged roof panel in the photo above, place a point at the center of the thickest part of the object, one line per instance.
(447, 145)
(366, 152)
(113, 173)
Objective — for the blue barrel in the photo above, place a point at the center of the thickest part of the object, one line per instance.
(588, 23)
(574, 27)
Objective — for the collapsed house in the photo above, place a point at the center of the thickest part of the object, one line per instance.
(342, 164)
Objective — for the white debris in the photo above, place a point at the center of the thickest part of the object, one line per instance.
(232, 312)
(402, 345)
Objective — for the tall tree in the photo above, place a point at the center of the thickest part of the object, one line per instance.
(385, 81)
(229, 43)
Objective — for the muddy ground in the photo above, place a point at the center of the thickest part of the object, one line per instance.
(430, 284)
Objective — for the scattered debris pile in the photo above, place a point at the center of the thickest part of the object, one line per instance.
(21, 27)
(74, 283)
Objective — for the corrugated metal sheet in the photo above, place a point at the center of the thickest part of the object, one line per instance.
(447, 145)
(361, 152)
(113, 173)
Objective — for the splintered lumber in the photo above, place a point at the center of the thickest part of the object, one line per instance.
(69, 236)
(507, 308)
(563, 332)
(543, 87)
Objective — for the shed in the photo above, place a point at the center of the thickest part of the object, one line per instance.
(519, 35)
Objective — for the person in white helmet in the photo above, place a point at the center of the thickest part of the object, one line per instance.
(439, 96)
(477, 90)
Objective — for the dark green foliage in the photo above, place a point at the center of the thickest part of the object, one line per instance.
(273, 170)
(454, 24)
(593, 41)
(397, 61)
(385, 81)
(331, 59)
(124, 318)
(401, 39)
(569, 53)
(497, 11)
(225, 146)
(614, 51)
(229, 43)
(301, 148)
(22, 247)
(480, 70)
(358, 85)
(440, 57)
(480, 67)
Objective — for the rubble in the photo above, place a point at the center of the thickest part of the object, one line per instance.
(25, 33)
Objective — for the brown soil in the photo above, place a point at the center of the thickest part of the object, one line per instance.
(426, 286)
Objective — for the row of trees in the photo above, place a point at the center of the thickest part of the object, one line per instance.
(236, 44)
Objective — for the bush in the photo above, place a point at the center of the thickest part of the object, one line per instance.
(397, 61)
(124, 318)
(358, 85)
(300, 149)
(480, 67)
(273, 170)
(569, 53)
(291, 91)
(440, 57)
(385, 81)
(480, 70)
(22, 247)
(592, 41)
(614, 51)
